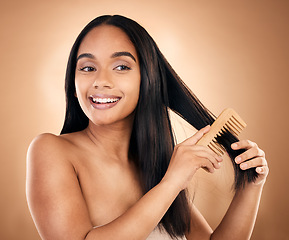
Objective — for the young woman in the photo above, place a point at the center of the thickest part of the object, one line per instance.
(114, 172)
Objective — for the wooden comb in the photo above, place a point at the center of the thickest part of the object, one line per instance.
(228, 121)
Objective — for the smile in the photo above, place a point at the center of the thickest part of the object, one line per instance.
(103, 102)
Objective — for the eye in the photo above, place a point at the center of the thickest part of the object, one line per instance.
(122, 68)
(88, 69)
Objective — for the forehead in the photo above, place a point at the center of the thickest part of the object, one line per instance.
(106, 38)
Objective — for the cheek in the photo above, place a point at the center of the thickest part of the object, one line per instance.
(80, 87)
(77, 88)
(80, 93)
(133, 90)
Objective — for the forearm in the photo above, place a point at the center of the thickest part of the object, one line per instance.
(140, 220)
(239, 220)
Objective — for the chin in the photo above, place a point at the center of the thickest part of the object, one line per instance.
(109, 121)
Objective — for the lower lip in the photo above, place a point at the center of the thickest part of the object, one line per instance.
(103, 106)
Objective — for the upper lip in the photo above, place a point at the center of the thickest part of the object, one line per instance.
(101, 95)
(104, 98)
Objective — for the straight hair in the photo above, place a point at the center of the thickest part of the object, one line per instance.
(152, 140)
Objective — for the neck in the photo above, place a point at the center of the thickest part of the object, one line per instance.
(112, 140)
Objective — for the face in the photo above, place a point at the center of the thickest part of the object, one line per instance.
(107, 77)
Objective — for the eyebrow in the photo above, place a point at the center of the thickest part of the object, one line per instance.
(119, 54)
(85, 55)
(114, 55)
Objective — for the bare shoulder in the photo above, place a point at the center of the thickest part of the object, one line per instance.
(48, 155)
(50, 147)
(53, 190)
(46, 143)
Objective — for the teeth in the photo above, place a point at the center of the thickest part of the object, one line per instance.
(104, 100)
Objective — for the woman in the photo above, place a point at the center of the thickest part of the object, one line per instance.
(114, 172)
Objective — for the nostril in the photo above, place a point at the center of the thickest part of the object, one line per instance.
(103, 83)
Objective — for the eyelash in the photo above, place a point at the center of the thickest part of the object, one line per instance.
(88, 69)
(123, 68)
(92, 69)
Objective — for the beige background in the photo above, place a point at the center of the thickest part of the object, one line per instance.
(231, 53)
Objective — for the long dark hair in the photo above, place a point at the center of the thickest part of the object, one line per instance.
(152, 139)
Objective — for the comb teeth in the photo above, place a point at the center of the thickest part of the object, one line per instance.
(216, 147)
(228, 121)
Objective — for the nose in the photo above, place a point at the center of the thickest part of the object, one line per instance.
(103, 80)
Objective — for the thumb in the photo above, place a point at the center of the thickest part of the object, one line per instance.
(197, 136)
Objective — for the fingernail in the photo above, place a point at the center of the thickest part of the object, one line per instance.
(238, 159)
(260, 169)
(244, 165)
(234, 145)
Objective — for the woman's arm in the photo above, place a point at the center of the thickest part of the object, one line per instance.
(240, 218)
(53, 193)
(60, 212)
(239, 221)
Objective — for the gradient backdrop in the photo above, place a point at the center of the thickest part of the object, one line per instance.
(230, 53)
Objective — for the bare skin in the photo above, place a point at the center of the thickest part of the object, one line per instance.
(83, 185)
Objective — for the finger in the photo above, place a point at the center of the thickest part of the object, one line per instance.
(197, 136)
(243, 144)
(256, 162)
(208, 155)
(205, 164)
(262, 170)
(209, 151)
(249, 154)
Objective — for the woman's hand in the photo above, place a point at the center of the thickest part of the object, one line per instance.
(188, 157)
(253, 157)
